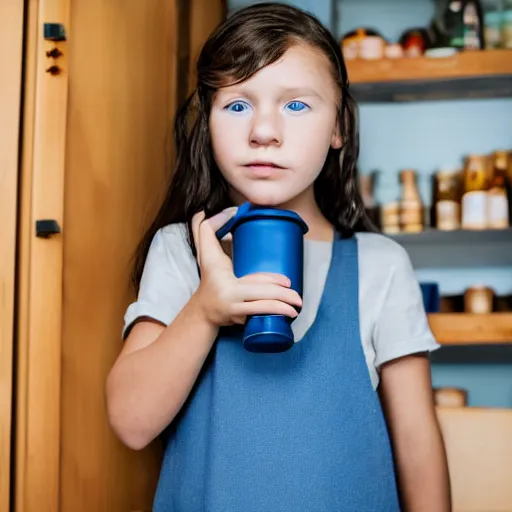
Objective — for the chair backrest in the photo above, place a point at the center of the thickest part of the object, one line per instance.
(479, 448)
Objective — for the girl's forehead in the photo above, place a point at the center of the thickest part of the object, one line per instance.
(300, 68)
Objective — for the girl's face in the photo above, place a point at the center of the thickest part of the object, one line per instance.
(271, 134)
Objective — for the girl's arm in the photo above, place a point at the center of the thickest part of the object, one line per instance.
(406, 395)
(158, 366)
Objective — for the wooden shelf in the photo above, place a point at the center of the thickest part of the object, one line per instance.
(470, 74)
(470, 329)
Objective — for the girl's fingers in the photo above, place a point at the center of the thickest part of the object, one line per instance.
(197, 219)
(266, 278)
(209, 246)
(218, 220)
(265, 307)
(258, 292)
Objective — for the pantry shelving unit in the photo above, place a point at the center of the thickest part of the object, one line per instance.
(463, 248)
(458, 249)
(471, 329)
(468, 74)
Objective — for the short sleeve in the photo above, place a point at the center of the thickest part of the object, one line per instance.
(168, 280)
(401, 327)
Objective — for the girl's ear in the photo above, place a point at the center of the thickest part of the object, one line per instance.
(336, 140)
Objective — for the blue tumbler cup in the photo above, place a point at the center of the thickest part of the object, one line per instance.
(267, 240)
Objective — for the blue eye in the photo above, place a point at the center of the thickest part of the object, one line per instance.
(296, 106)
(237, 107)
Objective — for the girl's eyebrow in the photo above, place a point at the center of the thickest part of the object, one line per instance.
(301, 91)
(285, 91)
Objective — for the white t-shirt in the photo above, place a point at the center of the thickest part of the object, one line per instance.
(392, 318)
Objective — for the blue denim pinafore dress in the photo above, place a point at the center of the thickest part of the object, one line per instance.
(301, 431)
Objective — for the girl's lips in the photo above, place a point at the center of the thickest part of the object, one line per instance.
(264, 164)
(263, 169)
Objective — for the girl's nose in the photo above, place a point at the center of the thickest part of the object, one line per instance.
(266, 130)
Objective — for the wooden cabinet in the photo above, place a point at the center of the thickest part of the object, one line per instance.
(91, 151)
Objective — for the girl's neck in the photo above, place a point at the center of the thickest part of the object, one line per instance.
(306, 206)
(319, 227)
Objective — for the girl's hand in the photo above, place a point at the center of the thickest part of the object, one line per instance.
(226, 299)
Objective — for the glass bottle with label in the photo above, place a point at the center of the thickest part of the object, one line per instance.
(463, 22)
(447, 200)
(473, 25)
(506, 25)
(474, 199)
(492, 24)
(499, 192)
(411, 205)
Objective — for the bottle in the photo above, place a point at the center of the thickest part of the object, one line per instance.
(499, 192)
(506, 25)
(474, 199)
(463, 22)
(411, 205)
(447, 200)
(390, 218)
(492, 24)
(473, 21)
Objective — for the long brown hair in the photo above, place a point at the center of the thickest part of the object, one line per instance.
(247, 41)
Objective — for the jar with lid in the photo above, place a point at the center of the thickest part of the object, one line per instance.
(474, 199)
(411, 205)
(390, 217)
(447, 199)
(499, 192)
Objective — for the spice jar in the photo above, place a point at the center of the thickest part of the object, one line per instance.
(390, 217)
(478, 300)
(474, 199)
(447, 200)
(411, 206)
(499, 192)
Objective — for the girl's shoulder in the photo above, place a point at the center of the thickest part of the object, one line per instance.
(172, 240)
(381, 250)
(174, 236)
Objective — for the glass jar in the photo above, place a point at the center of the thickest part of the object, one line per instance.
(411, 205)
(499, 192)
(447, 200)
(474, 199)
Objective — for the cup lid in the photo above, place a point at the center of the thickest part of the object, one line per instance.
(248, 211)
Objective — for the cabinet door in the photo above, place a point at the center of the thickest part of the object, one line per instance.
(11, 44)
(122, 99)
(39, 312)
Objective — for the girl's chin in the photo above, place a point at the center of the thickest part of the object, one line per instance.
(265, 199)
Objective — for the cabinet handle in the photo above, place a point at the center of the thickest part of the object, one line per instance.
(54, 32)
(45, 228)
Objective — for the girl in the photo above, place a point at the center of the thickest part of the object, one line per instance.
(272, 122)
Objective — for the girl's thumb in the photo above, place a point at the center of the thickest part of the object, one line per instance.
(209, 246)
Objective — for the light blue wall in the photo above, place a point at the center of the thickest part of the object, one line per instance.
(425, 136)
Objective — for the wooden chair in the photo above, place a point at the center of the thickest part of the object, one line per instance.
(479, 448)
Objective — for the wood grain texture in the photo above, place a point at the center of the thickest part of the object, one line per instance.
(479, 449)
(465, 64)
(122, 97)
(25, 236)
(205, 15)
(38, 399)
(465, 329)
(11, 51)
